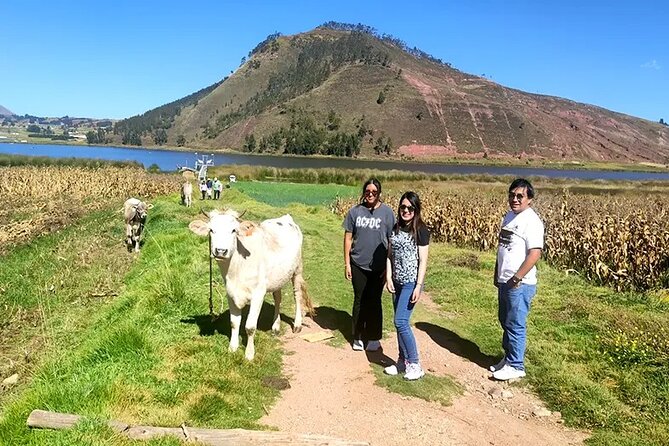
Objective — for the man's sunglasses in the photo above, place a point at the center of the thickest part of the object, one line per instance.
(518, 197)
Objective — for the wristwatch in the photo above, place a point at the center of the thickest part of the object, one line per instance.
(515, 280)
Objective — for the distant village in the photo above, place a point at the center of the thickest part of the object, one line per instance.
(28, 128)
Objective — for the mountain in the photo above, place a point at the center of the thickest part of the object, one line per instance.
(347, 86)
(5, 112)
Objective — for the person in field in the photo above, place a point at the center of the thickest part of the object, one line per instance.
(210, 185)
(203, 189)
(218, 186)
(521, 241)
(405, 278)
(367, 227)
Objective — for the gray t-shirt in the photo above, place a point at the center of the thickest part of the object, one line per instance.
(371, 229)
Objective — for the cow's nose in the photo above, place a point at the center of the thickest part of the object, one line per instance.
(220, 252)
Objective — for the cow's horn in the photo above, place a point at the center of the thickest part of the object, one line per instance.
(204, 213)
(242, 214)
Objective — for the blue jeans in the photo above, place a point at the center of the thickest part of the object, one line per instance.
(403, 309)
(514, 306)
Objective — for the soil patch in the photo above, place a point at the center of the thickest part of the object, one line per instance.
(332, 392)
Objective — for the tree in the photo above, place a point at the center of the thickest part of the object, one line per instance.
(382, 98)
(102, 135)
(160, 137)
(181, 140)
(92, 137)
(131, 137)
(333, 121)
(250, 143)
(662, 122)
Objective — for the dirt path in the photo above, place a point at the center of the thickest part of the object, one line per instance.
(333, 393)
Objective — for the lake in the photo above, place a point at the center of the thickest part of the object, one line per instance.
(168, 160)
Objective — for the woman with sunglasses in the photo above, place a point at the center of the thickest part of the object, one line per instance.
(367, 227)
(405, 276)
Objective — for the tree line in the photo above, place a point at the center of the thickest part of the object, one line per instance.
(160, 118)
(317, 59)
(306, 136)
(360, 28)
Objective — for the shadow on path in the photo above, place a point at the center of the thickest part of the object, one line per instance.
(333, 319)
(455, 344)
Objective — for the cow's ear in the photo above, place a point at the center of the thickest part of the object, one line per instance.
(246, 228)
(199, 227)
(149, 206)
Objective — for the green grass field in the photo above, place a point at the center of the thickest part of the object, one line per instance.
(97, 331)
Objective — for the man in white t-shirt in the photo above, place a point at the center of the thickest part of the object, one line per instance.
(521, 240)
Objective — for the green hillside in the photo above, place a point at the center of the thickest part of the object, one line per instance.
(347, 90)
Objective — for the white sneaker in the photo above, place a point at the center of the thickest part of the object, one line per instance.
(373, 346)
(395, 369)
(358, 345)
(498, 366)
(414, 371)
(507, 372)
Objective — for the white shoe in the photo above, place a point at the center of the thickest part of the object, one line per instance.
(498, 366)
(413, 372)
(395, 369)
(507, 372)
(373, 346)
(358, 346)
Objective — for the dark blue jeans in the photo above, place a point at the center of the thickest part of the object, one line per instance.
(514, 306)
(403, 309)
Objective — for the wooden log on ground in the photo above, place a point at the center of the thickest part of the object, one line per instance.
(213, 437)
(54, 420)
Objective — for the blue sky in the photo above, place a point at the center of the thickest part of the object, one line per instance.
(122, 58)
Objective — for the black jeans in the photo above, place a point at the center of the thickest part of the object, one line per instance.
(367, 309)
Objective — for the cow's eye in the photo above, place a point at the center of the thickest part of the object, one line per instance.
(234, 231)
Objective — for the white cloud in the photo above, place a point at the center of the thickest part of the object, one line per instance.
(652, 64)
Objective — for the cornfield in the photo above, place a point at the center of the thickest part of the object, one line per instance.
(35, 200)
(614, 241)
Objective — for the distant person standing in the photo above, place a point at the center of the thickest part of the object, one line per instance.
(521, 241)
(203, 189)
(210, 185)
(405, 278)
(367, 227)
(217, 188)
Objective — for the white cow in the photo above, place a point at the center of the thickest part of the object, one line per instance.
(254, 259)
(135, 212)
(187, 194)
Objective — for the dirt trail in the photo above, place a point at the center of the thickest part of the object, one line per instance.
(333, 393)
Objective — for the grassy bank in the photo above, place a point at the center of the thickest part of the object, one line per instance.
(141, 347)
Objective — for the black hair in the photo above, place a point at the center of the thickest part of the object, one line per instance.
(522, 182)
(373, 181)
(416, 222)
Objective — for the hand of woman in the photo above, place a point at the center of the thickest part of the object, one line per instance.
(415, 296)
(390, 286)
(347, 272)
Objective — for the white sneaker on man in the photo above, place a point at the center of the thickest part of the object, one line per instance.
(498, 366)
(358, 345)
(373, 346)
(507, 372)
(395, 369)
(414, 371)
